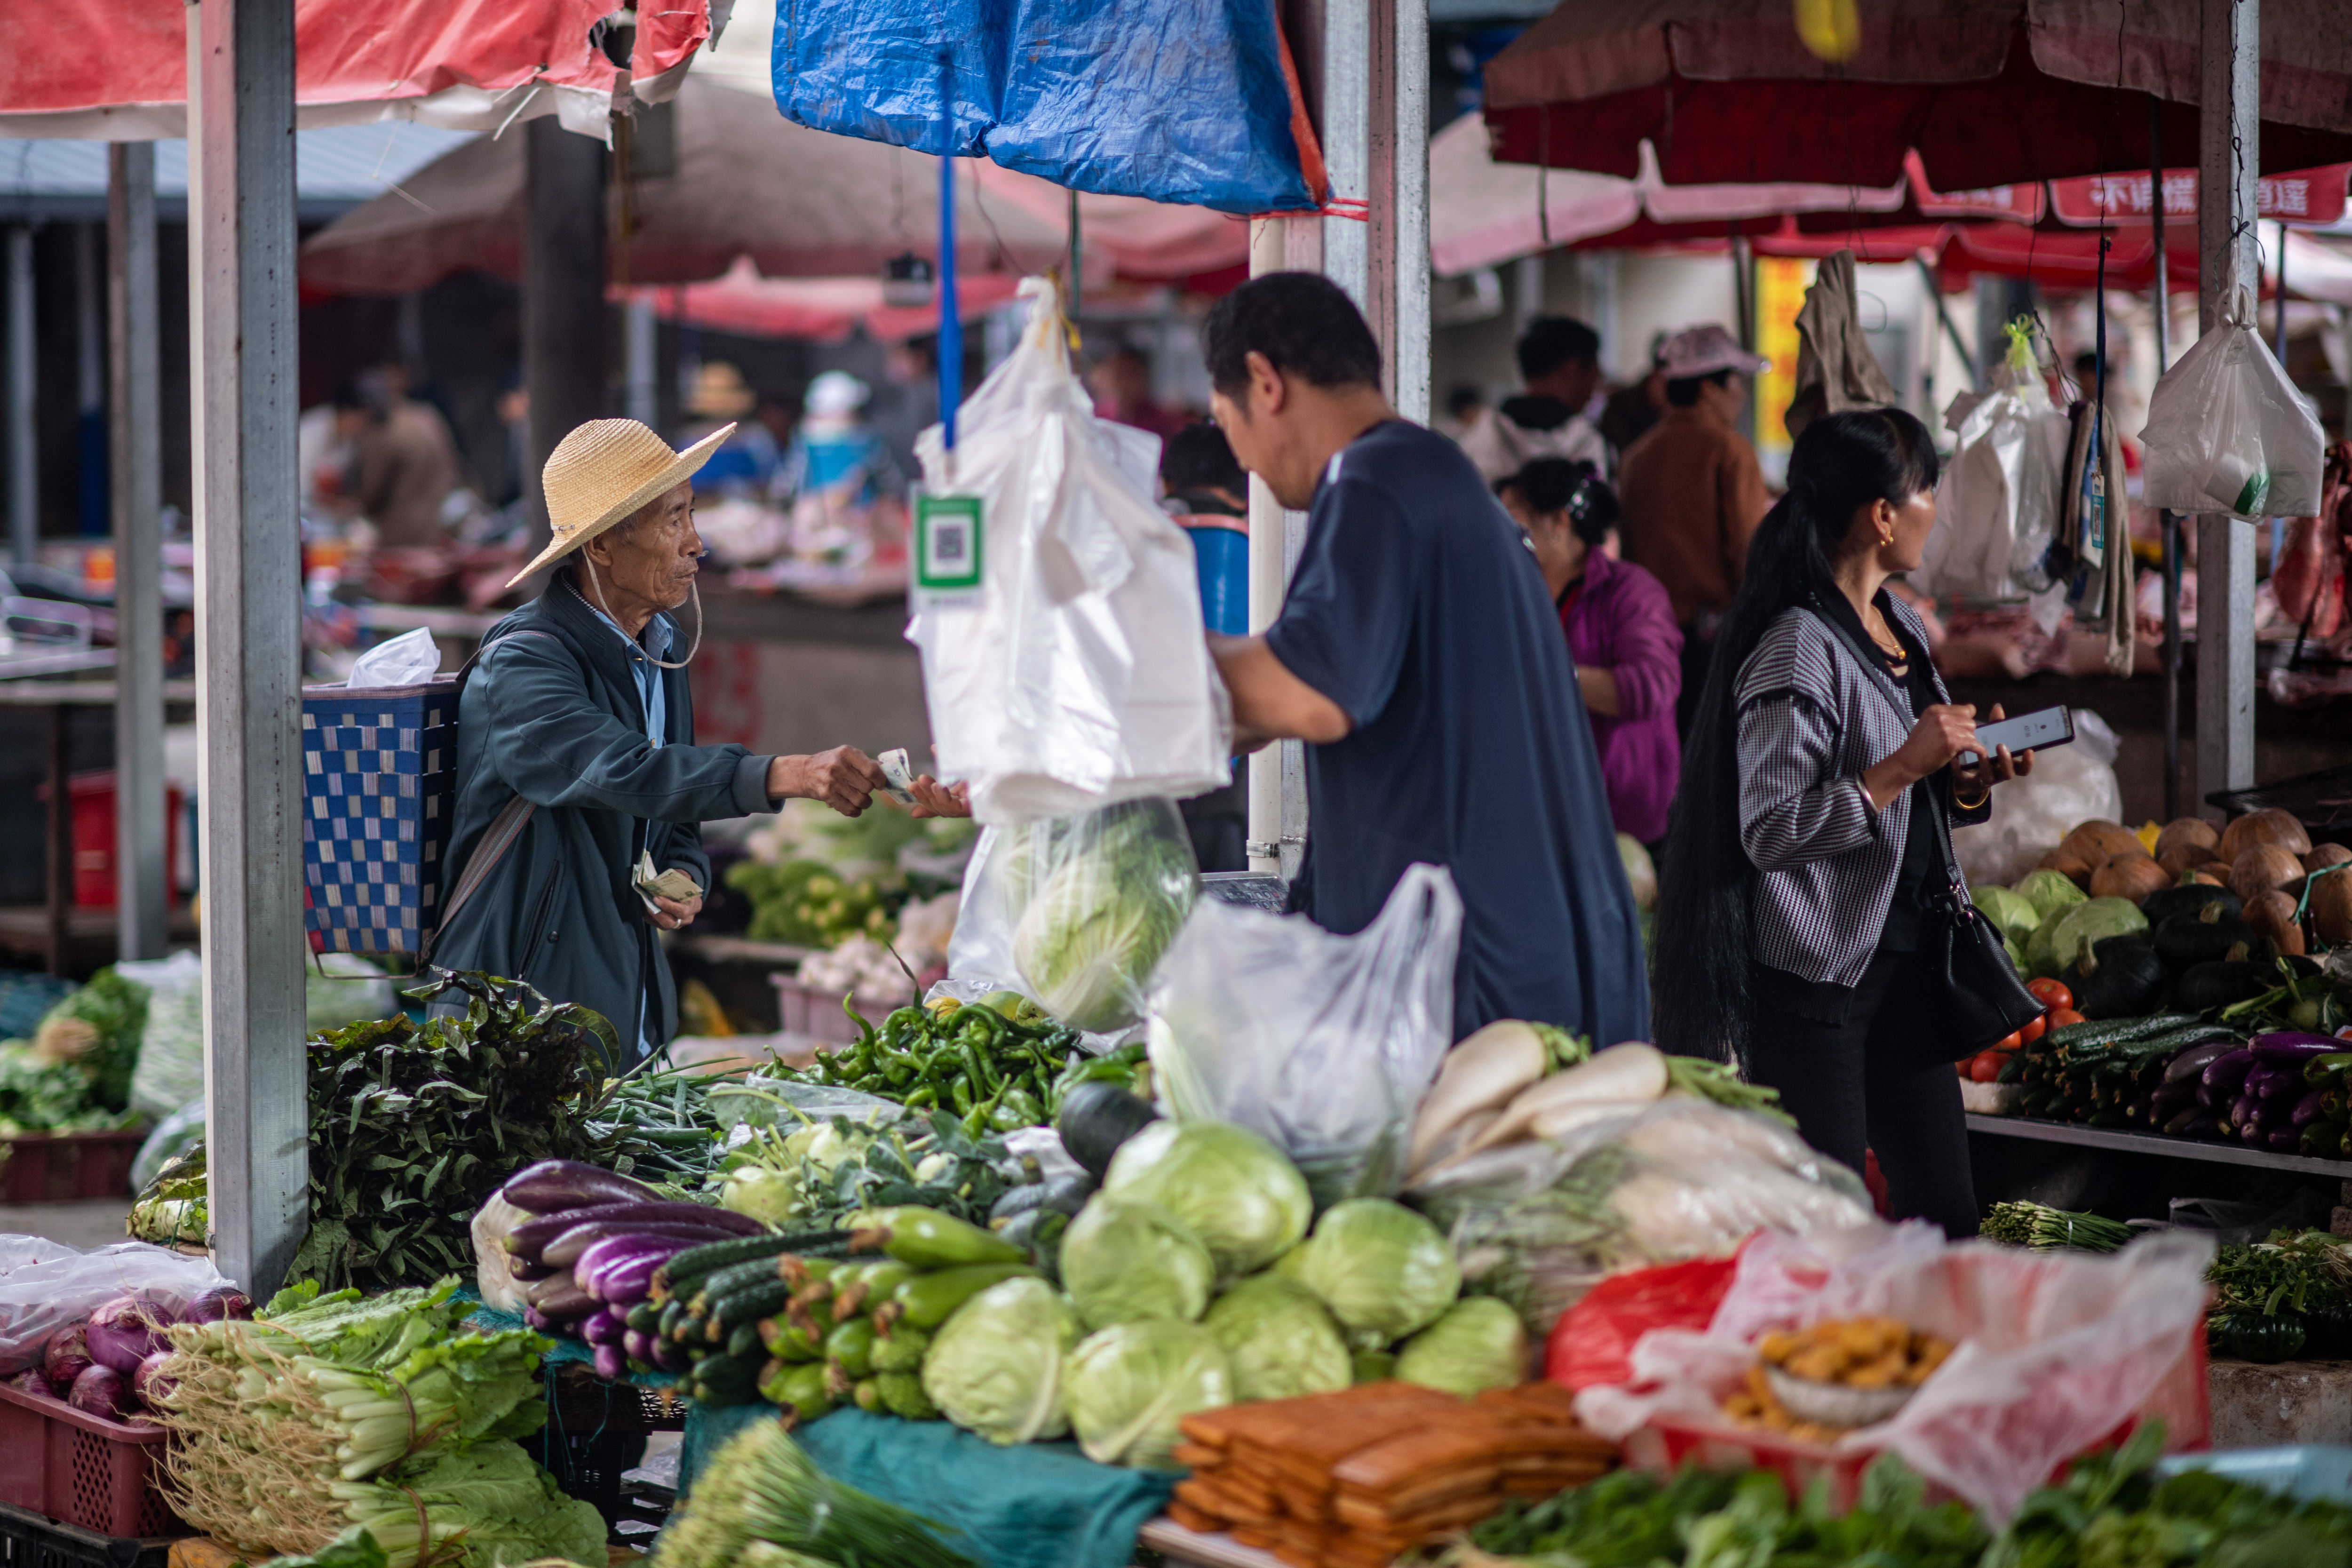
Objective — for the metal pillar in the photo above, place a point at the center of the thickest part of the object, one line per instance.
(562, 292)
(2228, 141)
(142, 877)
(643, 378)
(2165, 521)
(1375, 129)
(1275, 840)
(89, 385)
(248, 587)
(23, 463)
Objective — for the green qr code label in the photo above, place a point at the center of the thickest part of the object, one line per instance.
(948, 542)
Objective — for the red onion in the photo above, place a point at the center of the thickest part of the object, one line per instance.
(102, 1392)
(151, 1381)
(125, 1332)
(32, 1382)
(216, 1305)
(66, 1357)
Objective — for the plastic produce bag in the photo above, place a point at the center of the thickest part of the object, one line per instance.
(170, 1071)
(1998, 500)
(172, 1137)
(1075, 673)
(2227, 431)
(1095, 899)
(1540, 1224)
(38, 1298)
(2057, 1350)
(2069, 784)
(409, 660)
(1322, 1043)
(340, 988)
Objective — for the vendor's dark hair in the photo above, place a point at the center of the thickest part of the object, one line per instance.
(1199, 457)
(1303, 324)
(1843, 462)
(1551, 341)
(1682, 391)
(1563, 484)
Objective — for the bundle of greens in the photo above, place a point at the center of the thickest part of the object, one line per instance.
(176, 1207)
(275, 1421)
(412, 1127)
(807, 903)
(656, 1127)
(74, 1075)
(490, 1504)
(2293, 1270)
(821, 1172)
(761, 1504)
(2045, 1230)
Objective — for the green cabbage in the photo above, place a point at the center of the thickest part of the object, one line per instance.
(2016, 956)
(996, 1366)
(1229, 1186)
(1381, 1268)
(1124, 1258)
(1129, 1385)
(2049, 891)
(1478, 1343)
(2012, 914)
(1121, 883)
(2091, 922)
(2039, 946)
(1279, 1338)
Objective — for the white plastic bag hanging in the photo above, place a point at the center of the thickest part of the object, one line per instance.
(1999, 498)
(2227, 431)
(1324, 1044)
(1074, 673)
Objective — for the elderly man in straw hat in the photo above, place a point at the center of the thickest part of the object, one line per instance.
(576, 764)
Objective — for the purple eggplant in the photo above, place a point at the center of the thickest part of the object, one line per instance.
(2224, 1073)
(2253, 1137)
(529, 1269)
(2308, 1109)
(602, 1255)
(2189, 1064)
(536, 1321)
(2272, 1082)
(2176, 1094)
(102, 1392)
(2184, 1119)
(602, 1327)
(638, 1346)
(66, 1357)
(565, 1251)
(625, 1284)
(2286, 1140)
(610, 1365)
(2293, 1048)
(30, 1381)
(671, 1357)
(220, 1304)
(559, 1300)
(532, 1236)
(554, 1186)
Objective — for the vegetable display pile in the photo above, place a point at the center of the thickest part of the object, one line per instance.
(74, 1075)
(2045, 1230)
(656, 1127)
(2284, 1091)
(999, 1063)
(819, 1172)
(817, 878)
(176, 1207)
(338, 1413)
(2277, 1299)
(109, 1364)
(761, 1504)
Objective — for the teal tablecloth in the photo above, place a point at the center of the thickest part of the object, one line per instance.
(1038, 1505)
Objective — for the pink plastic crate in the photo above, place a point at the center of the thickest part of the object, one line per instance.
(80, 1470)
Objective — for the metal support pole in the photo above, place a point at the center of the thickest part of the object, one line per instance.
(248, 588)
(2168, 525)
(562, 292)
(142, 878)
(642, 376)
(2229, 146)
(1405, 234)
(24, 459)
(1269, 574)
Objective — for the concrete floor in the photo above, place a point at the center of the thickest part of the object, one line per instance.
(84, 1224)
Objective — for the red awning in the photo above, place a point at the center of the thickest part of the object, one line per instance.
(118, 69)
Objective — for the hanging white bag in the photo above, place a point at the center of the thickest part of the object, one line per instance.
(1064, 664)
(1999, 501)
(2227, 431)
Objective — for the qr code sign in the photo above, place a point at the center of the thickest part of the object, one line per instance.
(948, 544)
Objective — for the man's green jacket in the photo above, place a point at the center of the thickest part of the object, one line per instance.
(550, 712)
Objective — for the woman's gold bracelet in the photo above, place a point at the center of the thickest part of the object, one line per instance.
(1966, 804)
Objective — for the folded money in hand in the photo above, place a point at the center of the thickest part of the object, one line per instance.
(901, 787)
(673, 884)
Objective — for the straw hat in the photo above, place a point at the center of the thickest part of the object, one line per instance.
(604, 472)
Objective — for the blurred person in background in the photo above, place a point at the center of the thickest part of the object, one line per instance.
(404, 461)
(1620, 634)
(1466, 406)
(1692, 494)
(1121, 383)
(1560, 363)
(1208, 495)
(745, 463)
(1634, 409)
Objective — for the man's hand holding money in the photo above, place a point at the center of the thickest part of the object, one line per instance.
(925, 793)
(671, 898)
(844, 778)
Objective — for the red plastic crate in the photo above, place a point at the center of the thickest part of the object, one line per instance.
(56, 1167)
(92, 796)
(80, 1470)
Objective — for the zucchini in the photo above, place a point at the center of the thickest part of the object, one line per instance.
(925, 1238)
(863, 1282)
(741, 1277)
(746, 1306)
(643, 1316)
(850, 1346)
(928, 1300)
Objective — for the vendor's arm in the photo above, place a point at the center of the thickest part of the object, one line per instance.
(1269, 703)
(1647, 675)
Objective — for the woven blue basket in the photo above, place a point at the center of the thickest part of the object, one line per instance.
(379, 782)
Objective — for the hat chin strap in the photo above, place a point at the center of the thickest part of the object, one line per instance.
(694, 590)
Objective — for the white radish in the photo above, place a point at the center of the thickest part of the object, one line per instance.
(1631, 1071)
(1480, 1074)
(1453, 1140)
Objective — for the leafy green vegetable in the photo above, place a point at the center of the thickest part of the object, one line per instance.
(490, 1502)
(762, 1504)
(2048, 891)
(98, 1029)
(1126, 1259)
(1383, 1269)
(809, 904)
(2046, 1229)
(41, 1094)
(2093, 922)
(1478, 1343)
(997, 1367)
(1279, 1339)
(2014, 914)
(1116, 887)
(1129, 1385)
(176, 1206)
(1230, 1187)
(816, 1173)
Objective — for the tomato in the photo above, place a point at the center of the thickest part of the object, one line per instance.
(1984, 1067)
(2051, 993)
(2033, 1031)
(2062, 1017)
(2010, 1042)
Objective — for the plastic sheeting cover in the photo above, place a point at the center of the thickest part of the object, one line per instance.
(1179, 100)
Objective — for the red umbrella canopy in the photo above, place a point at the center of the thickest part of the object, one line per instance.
(1991, 92)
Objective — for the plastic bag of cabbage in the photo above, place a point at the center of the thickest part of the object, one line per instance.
(1539, 1224)
(1094, 900)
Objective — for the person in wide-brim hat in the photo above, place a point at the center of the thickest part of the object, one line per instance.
(577, 766)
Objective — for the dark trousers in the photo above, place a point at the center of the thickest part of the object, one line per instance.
(1698, 653)
(1856, 1084)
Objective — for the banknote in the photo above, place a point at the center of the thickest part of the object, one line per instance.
(671, 884)
(901, 787)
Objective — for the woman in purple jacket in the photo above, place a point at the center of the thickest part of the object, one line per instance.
(1620, 634)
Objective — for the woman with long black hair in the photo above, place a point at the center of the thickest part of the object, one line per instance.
(1808, 857)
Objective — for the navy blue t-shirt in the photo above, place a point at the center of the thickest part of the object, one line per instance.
(1419, 610)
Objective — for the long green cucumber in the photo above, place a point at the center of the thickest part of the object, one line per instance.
(925, 1238)
(748, 1306)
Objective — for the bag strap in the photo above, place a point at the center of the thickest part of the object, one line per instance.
(504, 829)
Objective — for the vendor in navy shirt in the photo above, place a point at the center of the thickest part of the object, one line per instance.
(1419, 655)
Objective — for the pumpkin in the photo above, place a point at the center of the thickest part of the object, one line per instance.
(2325, 855)
(2273, 915)
(2272, 827)
(2098, 842)
(2067, 864)
(2264, 868)
(2188, 832)
(2182, 859)
(2132, 877)
(2331, 907)
(2209, 875)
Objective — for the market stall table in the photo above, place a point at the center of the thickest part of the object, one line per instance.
(2155, 1143)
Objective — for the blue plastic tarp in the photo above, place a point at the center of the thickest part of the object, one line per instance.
(1177, 101)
